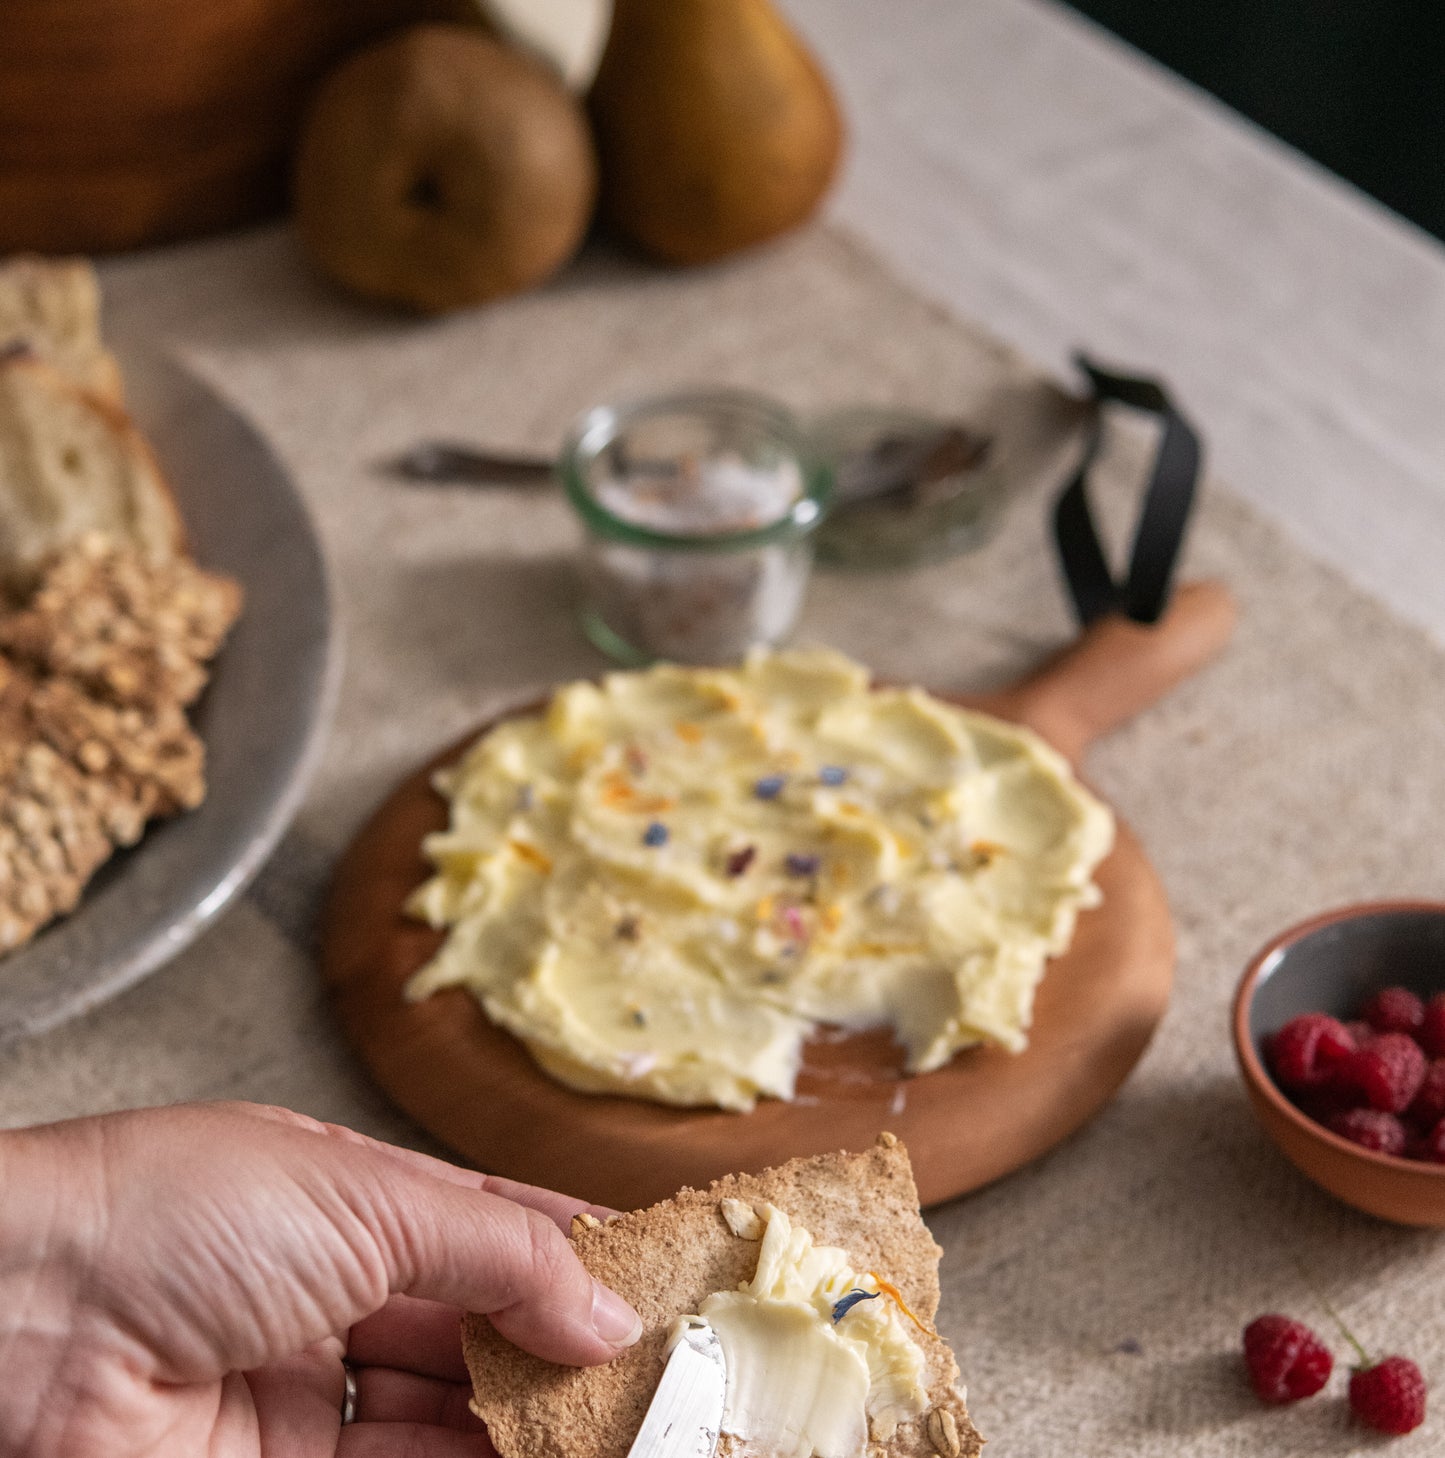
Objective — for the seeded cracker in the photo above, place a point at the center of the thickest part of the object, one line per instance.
(95, 671)
(666, 1259)
(126, 631)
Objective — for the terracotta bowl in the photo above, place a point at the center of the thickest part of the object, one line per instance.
(1333, 963)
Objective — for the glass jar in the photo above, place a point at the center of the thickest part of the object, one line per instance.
(699, 511)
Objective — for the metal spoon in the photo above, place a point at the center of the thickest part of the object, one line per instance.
(901, 464)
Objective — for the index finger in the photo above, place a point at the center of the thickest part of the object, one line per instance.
(560, 1208)
(557, 1207)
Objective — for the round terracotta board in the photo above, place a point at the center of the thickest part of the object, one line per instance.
(983, 1115)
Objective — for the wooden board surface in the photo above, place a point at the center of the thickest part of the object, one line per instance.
(983, 1115)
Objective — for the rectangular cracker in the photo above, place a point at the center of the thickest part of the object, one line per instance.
(665, 1260)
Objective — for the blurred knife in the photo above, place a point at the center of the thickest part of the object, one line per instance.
(888, 466)
(440, 462)
(687, 1408)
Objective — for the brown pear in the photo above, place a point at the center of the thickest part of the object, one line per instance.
(439, 168)
(715, 127)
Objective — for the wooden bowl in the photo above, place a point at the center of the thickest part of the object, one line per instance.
(125, 122)
(1333, 963)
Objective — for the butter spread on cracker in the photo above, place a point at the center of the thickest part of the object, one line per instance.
(665, 882)
(819, 1356)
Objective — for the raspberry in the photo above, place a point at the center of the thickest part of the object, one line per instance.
(1305, 1052)
(1327, 1103)
(1431, 1147)
(1428, 1107)
(1371, 1128)
(1432, 1029)
(1394, 1010)
(1360, 1031)
(1388, 1071)
(1333, 1096)
(1286, 1360)
(1389, 1396)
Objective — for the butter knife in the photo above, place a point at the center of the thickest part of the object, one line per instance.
(687, 1408)
(888, 466)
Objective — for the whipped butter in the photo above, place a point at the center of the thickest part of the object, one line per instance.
(819, 1356)
(664, 883)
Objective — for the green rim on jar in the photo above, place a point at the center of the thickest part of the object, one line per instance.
(601, 425)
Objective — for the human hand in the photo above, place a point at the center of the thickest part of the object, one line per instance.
(185, 1281)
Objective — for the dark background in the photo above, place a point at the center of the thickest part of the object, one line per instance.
(1359, 85)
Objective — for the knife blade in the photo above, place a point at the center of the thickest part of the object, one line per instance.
(439, 462)
(892, 464)
(687, 1409)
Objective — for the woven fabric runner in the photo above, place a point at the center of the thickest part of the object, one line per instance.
(1094, 1299)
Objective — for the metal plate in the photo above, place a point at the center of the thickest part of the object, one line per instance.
(262, 716)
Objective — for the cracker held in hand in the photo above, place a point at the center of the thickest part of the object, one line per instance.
(667, 1260)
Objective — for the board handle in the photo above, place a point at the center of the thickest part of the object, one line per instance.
(1117, 668)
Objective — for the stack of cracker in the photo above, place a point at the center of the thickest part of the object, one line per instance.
(106, 626)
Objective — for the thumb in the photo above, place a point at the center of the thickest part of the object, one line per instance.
(444, 1242)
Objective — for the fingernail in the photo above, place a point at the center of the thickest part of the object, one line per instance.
(612, 1318)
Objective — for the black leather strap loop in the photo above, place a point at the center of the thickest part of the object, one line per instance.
(1144, 593)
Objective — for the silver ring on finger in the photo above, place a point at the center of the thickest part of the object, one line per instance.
(348, 1393)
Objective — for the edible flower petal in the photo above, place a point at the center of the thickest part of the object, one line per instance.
(655, 835)
(832, 774)
(769, 787)
(843, 1307)
(889, 1289)
(537, 859)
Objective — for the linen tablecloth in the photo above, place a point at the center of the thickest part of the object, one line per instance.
(1095, 1299)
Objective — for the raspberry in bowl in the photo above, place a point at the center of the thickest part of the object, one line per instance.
(1340, 1036)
